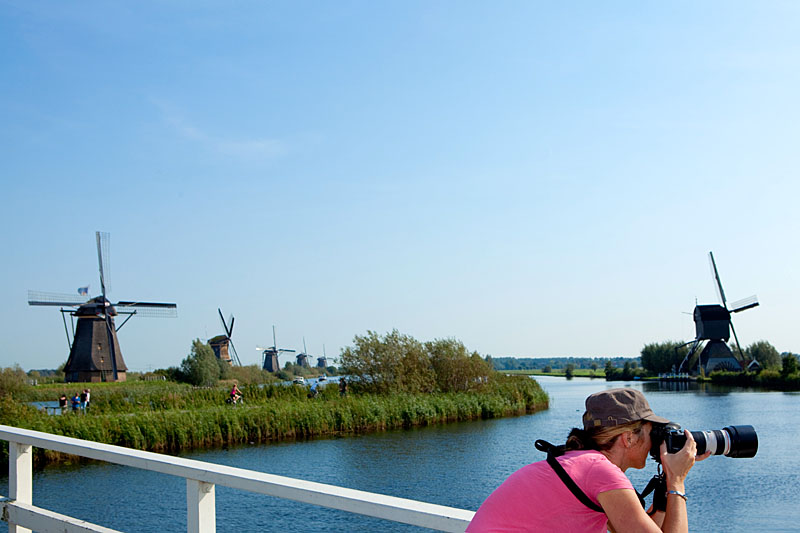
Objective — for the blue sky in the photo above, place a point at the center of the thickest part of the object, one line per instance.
(531, 178)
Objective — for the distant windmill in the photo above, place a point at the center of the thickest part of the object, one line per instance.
(220, 343)
(94, 349)
(713, 324)
(322, 362)
(270, 361)
(302, 358)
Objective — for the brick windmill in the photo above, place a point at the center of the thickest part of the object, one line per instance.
(221, 343)
(94, 353)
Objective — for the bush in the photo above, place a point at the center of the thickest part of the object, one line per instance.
(664, 357)
(200, 366)
(13, 381)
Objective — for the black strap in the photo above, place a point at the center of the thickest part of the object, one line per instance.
(658, 486)
(552, 453)
(658, 483)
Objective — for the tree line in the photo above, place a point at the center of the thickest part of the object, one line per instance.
(542, 363)
(665, 357)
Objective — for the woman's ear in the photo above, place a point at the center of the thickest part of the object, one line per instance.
(627, 439)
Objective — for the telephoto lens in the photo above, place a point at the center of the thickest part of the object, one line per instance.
(731, 441)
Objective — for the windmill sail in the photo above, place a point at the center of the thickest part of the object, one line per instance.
(744, 303)
(95, 353)
(718, 283)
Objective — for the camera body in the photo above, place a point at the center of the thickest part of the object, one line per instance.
(731, 441)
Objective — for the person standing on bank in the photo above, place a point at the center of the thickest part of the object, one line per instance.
(615, 437)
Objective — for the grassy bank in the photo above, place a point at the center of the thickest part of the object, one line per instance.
(558, 372)
(766, 379)
(169, 417)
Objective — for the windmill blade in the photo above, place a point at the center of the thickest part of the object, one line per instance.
(744, 303)
(718, 283)
(103, 258)
(235, 355)
(738, 346)
(224, 325)
(150, 309)
(230, 330)
(54, 298)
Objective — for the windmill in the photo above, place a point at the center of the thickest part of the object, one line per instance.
(94, 353)
(322, 362)
(270, 361)
(220, 343)
(713, 324)
(302, 358)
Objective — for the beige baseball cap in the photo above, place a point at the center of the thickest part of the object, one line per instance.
(613, 407)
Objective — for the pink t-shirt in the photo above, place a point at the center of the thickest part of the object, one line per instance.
(535, 499)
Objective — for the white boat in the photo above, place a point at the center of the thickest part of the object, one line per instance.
(299, 380)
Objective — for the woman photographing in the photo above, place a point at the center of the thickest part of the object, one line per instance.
(615, 437)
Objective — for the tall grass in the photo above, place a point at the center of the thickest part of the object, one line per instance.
(170, 417)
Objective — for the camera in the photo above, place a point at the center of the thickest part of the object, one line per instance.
(731, 441)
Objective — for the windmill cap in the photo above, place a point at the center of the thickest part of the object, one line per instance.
(618, 406)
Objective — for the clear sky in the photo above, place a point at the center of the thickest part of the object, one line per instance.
(532, 178)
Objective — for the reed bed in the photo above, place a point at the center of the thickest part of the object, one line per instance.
(171, 417)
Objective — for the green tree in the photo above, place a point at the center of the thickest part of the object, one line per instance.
(455, 369)
(12, 381)
(547, 369)
(570, 371)
(663, 357)
(627, 370)
(765, 353)
(789, 364)
(391, 363)
(200, 366)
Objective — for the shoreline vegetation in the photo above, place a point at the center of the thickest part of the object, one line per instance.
(773, 371)
(766, 379)
(169, 417)
(393, 382)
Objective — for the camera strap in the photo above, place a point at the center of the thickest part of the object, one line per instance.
(658, 486)
(553, 452)
(556, 451)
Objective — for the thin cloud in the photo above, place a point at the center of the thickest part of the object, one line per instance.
(251, 148)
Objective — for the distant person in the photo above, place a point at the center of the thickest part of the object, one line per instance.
(76, 402)
(62, 402)
(615, 437)
(88, 398)
(83, 400)
(342, 387)
(313, 392)
(236, 394)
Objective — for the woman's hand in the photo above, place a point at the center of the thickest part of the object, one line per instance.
(677, 465)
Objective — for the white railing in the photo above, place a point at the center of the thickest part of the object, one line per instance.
(201, 478)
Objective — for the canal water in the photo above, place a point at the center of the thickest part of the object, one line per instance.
(456, 465)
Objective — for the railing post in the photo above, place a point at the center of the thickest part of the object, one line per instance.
(200, 507)
(20, 478)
